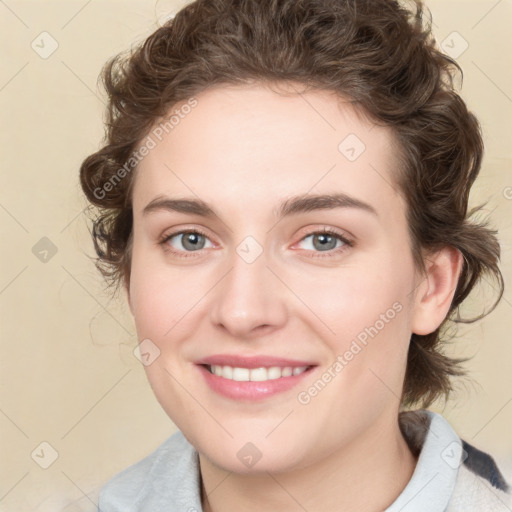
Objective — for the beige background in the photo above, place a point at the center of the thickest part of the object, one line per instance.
(68, 374)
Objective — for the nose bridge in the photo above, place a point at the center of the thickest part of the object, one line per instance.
(249, 296)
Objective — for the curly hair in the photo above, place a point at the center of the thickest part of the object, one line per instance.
(381, 55)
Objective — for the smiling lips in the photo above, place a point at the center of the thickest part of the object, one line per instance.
(252, 378)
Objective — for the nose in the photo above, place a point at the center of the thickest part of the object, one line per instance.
(250, 300)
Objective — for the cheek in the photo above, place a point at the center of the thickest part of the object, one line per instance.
(373, 331)
(162, 313)
(343, 302)
(163, 298)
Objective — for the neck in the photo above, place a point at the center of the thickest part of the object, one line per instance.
(378, 460)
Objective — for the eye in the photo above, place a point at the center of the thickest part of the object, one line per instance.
(186, 241)
(322, 241)
(328, 241)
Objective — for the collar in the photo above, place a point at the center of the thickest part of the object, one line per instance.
(440, 456)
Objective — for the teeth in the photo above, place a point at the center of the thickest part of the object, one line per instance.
(287, 372)
(255, 374)
(258, 374)
(238, 374)
(274, 373)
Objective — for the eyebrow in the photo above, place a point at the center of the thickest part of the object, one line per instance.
(294, 205)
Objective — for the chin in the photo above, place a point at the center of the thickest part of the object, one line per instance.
(251, 458)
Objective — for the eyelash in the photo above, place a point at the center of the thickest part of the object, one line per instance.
(316, 254)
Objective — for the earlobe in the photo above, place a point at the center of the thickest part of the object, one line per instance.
(435, 294)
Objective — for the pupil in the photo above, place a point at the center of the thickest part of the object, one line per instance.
(325, 242)
(191, 241)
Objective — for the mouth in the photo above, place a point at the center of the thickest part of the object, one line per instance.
(252, 378)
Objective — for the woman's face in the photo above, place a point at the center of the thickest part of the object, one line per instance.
(295, 259)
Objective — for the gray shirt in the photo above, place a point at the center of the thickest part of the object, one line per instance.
(450, 475)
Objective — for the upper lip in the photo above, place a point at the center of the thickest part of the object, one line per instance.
(261, 361)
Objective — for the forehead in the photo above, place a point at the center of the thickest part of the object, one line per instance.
(251, 142)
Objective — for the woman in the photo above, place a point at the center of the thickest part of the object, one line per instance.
(283, 195)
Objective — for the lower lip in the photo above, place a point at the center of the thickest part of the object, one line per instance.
(248, 390)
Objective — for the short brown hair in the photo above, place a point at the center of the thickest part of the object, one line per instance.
(379, 54)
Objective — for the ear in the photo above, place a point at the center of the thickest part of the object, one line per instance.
(435, 293)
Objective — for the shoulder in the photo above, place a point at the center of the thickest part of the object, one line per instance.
(480, 484)
(169, 475)
(451, 474)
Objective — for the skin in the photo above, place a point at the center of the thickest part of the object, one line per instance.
(244, 150)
